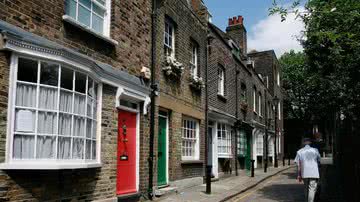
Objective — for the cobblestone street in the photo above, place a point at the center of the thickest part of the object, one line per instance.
(282, 187)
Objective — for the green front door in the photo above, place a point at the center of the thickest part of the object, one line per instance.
(248, 151)
(162, 152)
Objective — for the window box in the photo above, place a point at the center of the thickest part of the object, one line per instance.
(75, 23)
(192, 162)
(244, 106)
(173, 68)
(197, 83)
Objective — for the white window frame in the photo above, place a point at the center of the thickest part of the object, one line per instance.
(260, 104)
(54, 163)
(259, 145)
(106, 19)
(169, 48)
(224, 140)
(221, 81)
(194, 49)
(278, 78)
(196, 141)
(279, 110)
(254, 100)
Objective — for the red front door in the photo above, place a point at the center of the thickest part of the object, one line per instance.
(126, 158)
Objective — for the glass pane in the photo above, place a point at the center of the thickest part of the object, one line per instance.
(94, 110)
(78, 148)
(64, 144)
(25, 95)
(88, 128)
(25, 120)
(79, 126)
(66, 100)
(45, 147)
(48, 98)
(102, 2)
(23, 147)
(80, 82)
(49, 74)
(47, 122)
(79, 104)
(94, 130)
(65, 124)
(27, 70)
(97, 23)
(89, 107)
(98, 10)
(93, 150)
(86, 3)
(84, 16)
(67, 77)
(88, 150)
(70, 8)
(90, 87)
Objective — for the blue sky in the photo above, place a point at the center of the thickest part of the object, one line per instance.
(264, 31)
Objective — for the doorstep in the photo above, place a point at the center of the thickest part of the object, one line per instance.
(129, 197)
(167, 190)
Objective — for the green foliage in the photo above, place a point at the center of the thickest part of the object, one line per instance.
(331, 56)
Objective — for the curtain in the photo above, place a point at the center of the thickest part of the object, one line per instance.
(45, 147)
(78, 148)
(65, 124)
(66, 101)
(25, 95)
(47, 122)
(48, 98)
(79, 126)
(23, 147)
(88, 128)
(88, 149)
(79, 104)
(64, 144)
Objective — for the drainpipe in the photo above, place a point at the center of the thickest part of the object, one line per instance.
(207, 142)
(154, 89)
(237, 120)
(266, 134)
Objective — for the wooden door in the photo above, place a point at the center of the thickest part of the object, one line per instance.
(162, 153)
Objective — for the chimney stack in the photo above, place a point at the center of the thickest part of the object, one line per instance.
(236, 30)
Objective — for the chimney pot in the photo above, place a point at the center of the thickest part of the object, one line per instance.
(239, 20)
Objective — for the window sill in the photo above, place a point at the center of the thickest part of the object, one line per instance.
(224, 156)
(222, 97)
(185, 162)
(49, 165)
(73, 22)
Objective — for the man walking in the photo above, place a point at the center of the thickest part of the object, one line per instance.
(308, 161)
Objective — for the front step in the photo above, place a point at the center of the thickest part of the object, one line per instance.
(165, 191)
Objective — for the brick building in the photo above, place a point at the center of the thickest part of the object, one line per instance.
(73, 104)
(180, 69)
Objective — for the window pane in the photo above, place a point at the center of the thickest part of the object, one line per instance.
(86, 3)
(45, 147)
(95, 110)
(93, 150)
(70, 8)
(80, 82)
(67, 76)
(66, 100)
(25, 95)
(25, 121)
(94, 130)
(78, 148)
(79, 104)
(47, 122)
(65, 124)
(49, 74)
(89, 107)
(27, 70)
(48, 98)
(97, 23)
(102, 2)
(90, 87)
(88, 150)
(79, 126)
(23, 147)
(84, 16)
(98, 10)
(88, 128)
(64, 144)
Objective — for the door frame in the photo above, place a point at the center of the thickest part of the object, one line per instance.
(167, 145)
(215, 160)
(137, 112)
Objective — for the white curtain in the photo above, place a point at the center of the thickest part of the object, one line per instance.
(79, 126)
(88, 149)
(64, 144)
(88, 128)
(93, 149)
(79, 107)
(47, 122)
(23, 147)
(65, 124)
(48, 98)
(45, 147)
(66, 101)
(25, 95)
(78, 148)
(89, 107)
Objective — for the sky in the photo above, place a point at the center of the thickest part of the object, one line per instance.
(264, 32)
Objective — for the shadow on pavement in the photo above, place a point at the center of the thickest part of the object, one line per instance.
(283, 192)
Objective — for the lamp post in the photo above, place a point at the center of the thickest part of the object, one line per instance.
(275, 101)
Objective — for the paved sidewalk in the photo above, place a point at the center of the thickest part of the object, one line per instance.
(224, 188)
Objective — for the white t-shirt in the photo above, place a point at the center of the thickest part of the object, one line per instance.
(309, 160)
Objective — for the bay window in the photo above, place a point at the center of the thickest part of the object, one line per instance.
(54, 113)
(190, 139)
(90, 13)
(224, 140)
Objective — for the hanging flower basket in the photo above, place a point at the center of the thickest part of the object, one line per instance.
(244, 106)
(197, 83)
(172, 67)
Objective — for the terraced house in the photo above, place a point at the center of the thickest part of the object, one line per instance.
(73, 102)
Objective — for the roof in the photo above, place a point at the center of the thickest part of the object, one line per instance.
(13, 37)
